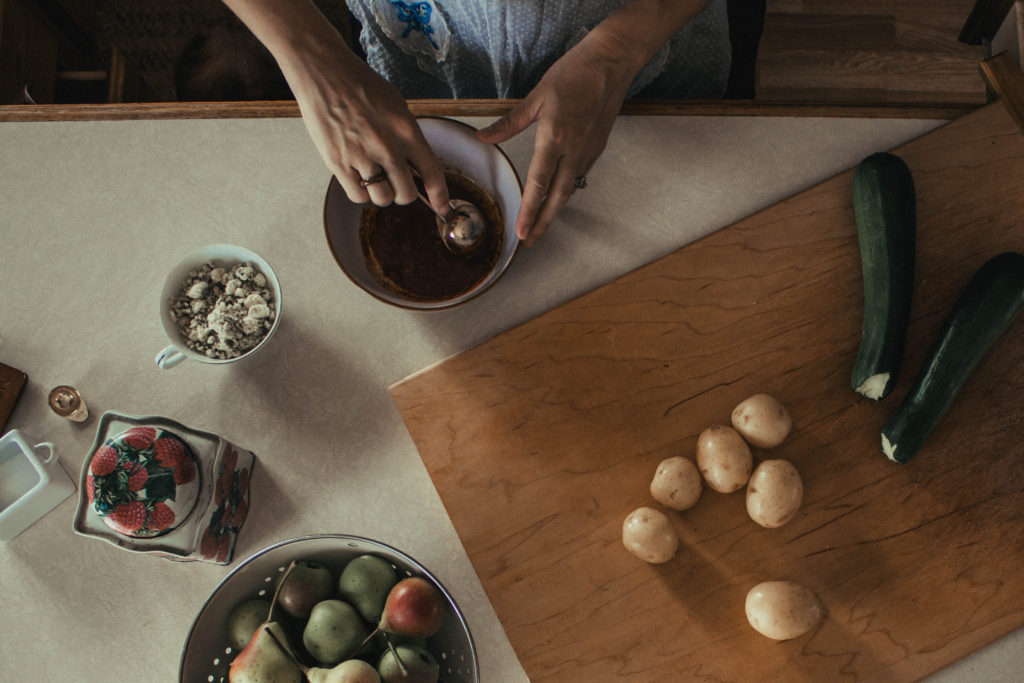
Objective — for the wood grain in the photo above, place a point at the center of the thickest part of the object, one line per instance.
(261, 110)
(894, 51)
(541, 441)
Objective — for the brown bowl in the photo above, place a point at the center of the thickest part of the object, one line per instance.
(460, 151)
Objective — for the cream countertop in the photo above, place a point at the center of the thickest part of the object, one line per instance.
(94, 214)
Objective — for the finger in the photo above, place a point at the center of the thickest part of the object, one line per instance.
(538, 179)
(349, 179)
(402, 186)
(514, 122)
(431, 173)
(562, 188)
(380, 192)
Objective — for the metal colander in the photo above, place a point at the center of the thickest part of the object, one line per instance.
(207, 653)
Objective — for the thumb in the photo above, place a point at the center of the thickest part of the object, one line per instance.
(511, 124)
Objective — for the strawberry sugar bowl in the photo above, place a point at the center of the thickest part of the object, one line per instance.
(153, 485)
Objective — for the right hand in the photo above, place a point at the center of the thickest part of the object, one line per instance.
(361, 125)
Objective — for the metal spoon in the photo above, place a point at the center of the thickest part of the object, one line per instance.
(462, 228)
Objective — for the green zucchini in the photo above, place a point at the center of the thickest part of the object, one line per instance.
(986, 307)
(885, 211)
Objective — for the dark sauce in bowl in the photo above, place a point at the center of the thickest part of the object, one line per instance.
(406, 256)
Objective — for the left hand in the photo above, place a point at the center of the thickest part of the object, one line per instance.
(574, 105)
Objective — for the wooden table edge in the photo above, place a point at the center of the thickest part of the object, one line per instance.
(466, 108)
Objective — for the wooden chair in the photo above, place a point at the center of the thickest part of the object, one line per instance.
(746, 24)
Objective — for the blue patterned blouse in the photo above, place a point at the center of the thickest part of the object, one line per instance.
(501, 48)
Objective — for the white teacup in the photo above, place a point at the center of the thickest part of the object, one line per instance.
(226, 254)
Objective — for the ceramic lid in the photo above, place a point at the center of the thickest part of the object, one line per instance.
(143, 482)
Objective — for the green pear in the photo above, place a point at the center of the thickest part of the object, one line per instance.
(334, 631)
(263, 660)
(244, 619)
(408, 664)
(267, 658)
(349, 671)
(308, 583)
(365, 582)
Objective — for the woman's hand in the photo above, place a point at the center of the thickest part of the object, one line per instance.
(574, 106)
(361, 126)
(359, 123)
(577, 100)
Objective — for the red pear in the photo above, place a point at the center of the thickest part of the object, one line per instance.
(414, 608)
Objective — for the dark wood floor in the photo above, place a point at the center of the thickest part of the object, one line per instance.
(872, 51)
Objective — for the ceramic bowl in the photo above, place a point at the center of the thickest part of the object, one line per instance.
(458, 149)
(207, 655)
(219, 254)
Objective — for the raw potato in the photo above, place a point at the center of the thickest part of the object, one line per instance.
(774, 493)
(781, 610)
(724, 458)
(762, 420)
(676, 483)
(648, 534)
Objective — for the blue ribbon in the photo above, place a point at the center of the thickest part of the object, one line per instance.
(416, 16)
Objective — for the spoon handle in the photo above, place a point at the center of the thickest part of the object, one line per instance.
(444, 217)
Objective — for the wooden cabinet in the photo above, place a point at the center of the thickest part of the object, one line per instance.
(29, 50)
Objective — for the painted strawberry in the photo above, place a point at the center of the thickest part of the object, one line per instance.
(161, 517)
(137, 476)
(139, 438)
(168, 450)
(185, 470)
(129, 517)
(172, 454)
(90, 489)
(104, 461)
(208, 545)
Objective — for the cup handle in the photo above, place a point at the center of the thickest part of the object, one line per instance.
(48, 446)
(169, 357)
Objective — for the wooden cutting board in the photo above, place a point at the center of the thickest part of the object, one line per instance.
(542, 440)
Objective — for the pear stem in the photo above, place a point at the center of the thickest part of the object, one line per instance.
(401, 664)
(287, 653)
(365, 641)
(277, 590)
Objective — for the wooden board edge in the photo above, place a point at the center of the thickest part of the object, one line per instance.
(1004, 78)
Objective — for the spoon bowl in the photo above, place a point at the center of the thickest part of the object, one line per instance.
(463, 229)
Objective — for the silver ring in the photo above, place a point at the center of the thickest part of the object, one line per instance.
(580, 182)
(375, 178)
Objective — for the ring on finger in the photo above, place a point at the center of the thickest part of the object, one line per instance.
(580, 182)
(375, 178)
